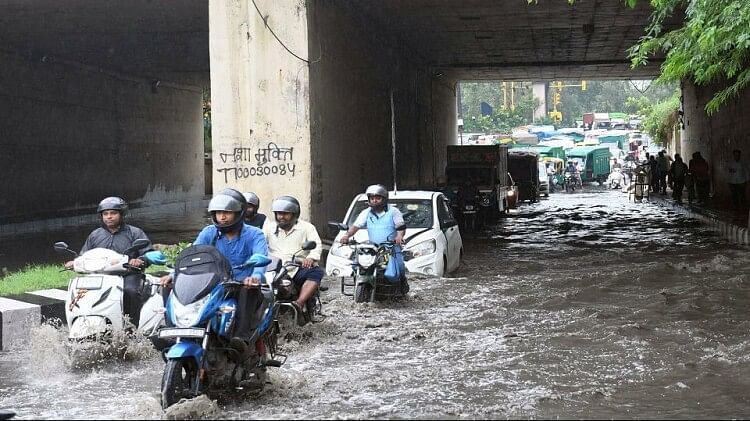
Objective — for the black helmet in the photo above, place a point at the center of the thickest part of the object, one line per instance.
(228, 203)
(286, 204)
(252, 199)
(113, 203)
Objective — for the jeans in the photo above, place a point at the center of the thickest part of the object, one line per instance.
(738, 194)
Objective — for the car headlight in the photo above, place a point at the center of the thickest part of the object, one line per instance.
(187, 315)
(424, 248)
(342, 251)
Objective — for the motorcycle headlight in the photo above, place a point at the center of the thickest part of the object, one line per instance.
(187, 315)
(366, 260)
(342, 251)
(511, 193)
(424, 248)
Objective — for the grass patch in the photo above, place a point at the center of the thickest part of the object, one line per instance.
(37, 277)
(32, 278)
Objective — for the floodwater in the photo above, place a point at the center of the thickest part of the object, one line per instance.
(581, 306)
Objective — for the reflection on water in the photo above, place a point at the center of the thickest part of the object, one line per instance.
(581, 306)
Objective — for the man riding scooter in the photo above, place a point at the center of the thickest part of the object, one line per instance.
(118, 236)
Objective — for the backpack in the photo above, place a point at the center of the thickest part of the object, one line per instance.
(197, 270)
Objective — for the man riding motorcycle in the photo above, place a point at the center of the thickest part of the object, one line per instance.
(252, 217)
(572, 168)
(118, 236)
(237, 241)
(384, 223)
(285, 237)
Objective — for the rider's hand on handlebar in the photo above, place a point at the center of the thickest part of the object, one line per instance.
(136, 263)
(252, 282)
(165, 280)
(344, 239)
(69, 265)
(308, 263)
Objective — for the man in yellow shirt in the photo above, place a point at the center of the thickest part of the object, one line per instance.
(285, 236)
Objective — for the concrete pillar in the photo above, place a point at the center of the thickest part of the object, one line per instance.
(260, 99)
(539, 90)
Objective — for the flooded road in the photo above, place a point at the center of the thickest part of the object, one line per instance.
(580, 306)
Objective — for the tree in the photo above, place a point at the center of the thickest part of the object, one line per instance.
(711, 47)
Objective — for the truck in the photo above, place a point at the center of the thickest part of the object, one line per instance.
(486, 167)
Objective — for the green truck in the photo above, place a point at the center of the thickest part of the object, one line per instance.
(543, 151)
(593, 162)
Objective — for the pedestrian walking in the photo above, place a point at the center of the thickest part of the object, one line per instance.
(698, 167)
(677, 173)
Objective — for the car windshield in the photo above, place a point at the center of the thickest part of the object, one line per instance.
(417, 212)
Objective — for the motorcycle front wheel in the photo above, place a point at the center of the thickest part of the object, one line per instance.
(178, 381)
(363, 293)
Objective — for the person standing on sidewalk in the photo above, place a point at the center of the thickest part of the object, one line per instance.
(701, 178)
(677, 173)
(737, 180)
(663, 163)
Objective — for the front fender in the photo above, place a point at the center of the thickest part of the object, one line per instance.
(186, 349)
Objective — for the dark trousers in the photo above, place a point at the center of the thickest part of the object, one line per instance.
(677, 186)
(133, 296)
(738, 194)
(249, 312)
(701, 189)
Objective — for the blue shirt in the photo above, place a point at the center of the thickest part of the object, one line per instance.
(250, 241)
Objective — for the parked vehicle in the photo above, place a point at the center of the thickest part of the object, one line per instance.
(544, 186)
(593, 162)
(94, 303)
(433, 244)
(523, 167)
(484, 166)
(200, 316)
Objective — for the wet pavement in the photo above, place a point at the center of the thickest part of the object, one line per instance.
(584, 305)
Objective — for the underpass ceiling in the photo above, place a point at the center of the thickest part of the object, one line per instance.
(514, 40)
(148, 38)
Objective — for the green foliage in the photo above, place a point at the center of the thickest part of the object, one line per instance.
(35, 277)
(172, 250)
(660, 117)
(712, 46)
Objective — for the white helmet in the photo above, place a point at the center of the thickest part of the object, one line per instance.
(377, 190)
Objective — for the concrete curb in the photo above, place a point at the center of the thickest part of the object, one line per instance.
(19, 314)
(734, 233)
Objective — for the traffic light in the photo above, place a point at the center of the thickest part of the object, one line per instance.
(583, 85)
(556, 98)
(556, 116)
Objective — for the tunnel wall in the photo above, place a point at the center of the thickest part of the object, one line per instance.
(73, 134)
(260, 99)
(715, 136)
(357, 67)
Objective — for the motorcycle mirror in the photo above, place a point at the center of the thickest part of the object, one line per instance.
(309, 245)
(338, 225)
(137, 245)
(155, 257)
(256, 260)
(62, 247)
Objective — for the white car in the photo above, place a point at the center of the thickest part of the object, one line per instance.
(433, 243)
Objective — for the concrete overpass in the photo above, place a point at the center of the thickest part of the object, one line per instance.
(104, 98)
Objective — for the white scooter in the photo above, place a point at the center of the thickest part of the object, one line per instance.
(94, 303)
(616, 179)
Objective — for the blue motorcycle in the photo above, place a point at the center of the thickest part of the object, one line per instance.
(200, 313)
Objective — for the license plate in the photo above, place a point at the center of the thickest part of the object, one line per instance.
(469, 207)
(182, 333)
(89, 282)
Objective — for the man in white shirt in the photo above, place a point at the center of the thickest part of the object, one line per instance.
(737, 179)
(285, 236)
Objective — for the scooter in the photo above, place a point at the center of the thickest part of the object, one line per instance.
(616, 179)
(571, 182)
(200, 315)
(94, 302)
(286, 291)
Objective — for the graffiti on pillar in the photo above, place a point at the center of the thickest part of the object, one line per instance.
(265, 161)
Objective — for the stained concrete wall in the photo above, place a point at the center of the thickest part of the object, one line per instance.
(73, 134)
(357, 67)
(717, 135)
(260, 99)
